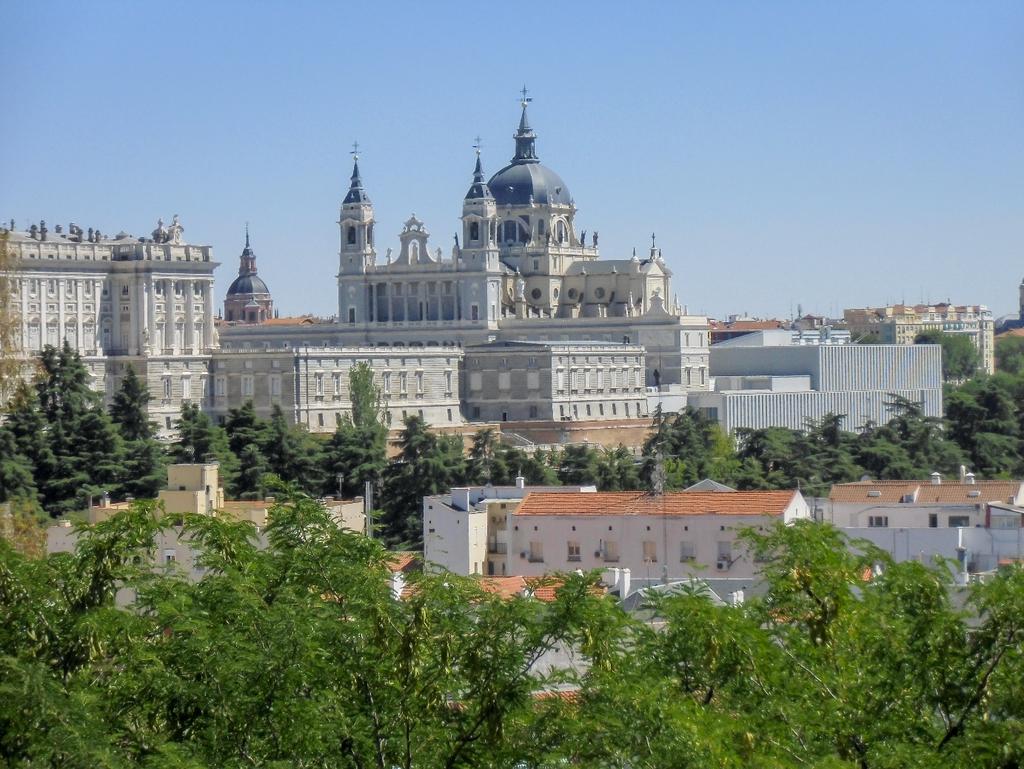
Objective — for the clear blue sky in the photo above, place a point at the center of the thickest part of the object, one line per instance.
(829, 154)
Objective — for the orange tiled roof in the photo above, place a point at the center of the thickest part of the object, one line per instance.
(928, 493)
(247, 504)
(301, 320)
(404, 560)
(503, 587)
(672, 503)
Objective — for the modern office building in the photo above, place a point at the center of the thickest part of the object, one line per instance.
(770, 379)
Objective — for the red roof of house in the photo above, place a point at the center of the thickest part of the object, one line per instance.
(403, 560)
(671, 503)
(927, 493)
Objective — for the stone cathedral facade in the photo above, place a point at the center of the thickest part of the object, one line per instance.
(519, 271)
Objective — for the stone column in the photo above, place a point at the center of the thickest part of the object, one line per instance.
(79, 309)
(60, 312)
(190, 340)
(208, 316)
(24, 312)
(97, 293)
(151, 316)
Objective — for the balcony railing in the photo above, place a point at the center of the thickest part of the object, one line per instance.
(500, 548)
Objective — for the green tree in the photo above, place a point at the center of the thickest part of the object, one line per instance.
(199, 441)
(85, 452)
(428, 464)
(357, 452)
(292, 453)
(578, 466)
(145, 459)
(960, 359)
(1010, 354)
(16, 480)
(11, 363)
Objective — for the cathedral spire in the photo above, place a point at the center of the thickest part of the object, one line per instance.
(526, 149)
(356, 193)
(478, 189)
(247, 261)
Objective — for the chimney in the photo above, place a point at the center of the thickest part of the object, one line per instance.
(963, 473)
(397, 584)
(460, 498)
(611, 577)
(520, 482)
(936, 479)
(624, 585)
(969, 479)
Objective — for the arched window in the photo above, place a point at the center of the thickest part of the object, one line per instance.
(560, 232)
(510, 231)
(351, 237)
(474, 230)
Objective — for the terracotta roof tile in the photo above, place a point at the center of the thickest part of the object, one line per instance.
(671, 503)
(503, 587)
(404, 560)
(927, 493)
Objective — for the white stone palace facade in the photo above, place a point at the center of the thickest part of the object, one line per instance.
(119, 301)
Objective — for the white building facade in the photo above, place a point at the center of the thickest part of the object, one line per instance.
(144, 303)
(519, 271)
(770, 379)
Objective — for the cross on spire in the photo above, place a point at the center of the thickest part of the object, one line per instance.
(478, 143)
(652, 240)
(525, 99)
(355, 151)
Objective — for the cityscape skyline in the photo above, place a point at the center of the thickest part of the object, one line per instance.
(825, 152)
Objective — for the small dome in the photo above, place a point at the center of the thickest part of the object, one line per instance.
(517, 182)
(248, 284)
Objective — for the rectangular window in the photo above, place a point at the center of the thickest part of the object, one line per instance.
(447, 382)
(247, 386)
(275, 387)
(573, 553)
(336, 382)
(878, 521)
(957, 521)
(536, 552)
(220, 386)
(318, 383)
(474, 312)
(167, 388)
(186, 389)
(650, 552)
(419, 382)
(610, 551)
(403, 383)
(386, 382)
(687, 552)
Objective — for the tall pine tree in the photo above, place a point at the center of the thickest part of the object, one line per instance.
(145, 459)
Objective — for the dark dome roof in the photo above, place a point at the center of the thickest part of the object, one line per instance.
(515, 183)
(248, 284)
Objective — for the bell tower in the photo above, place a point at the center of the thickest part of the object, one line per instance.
(479, 224)
(356, 225)
(356, 255)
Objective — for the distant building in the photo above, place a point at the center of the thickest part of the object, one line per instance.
(736, 326)
(518, 270)
(563, 381)
(657, 537)
(975, 524)
(901, 323)
(248, 299)
(311, 383)
(119, 301)
(678, 534)
(195, 489)
(769, 379)
(466, 531)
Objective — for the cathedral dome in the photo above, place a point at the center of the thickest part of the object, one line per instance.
(525, 180)
(247, 284)
(518, 182)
